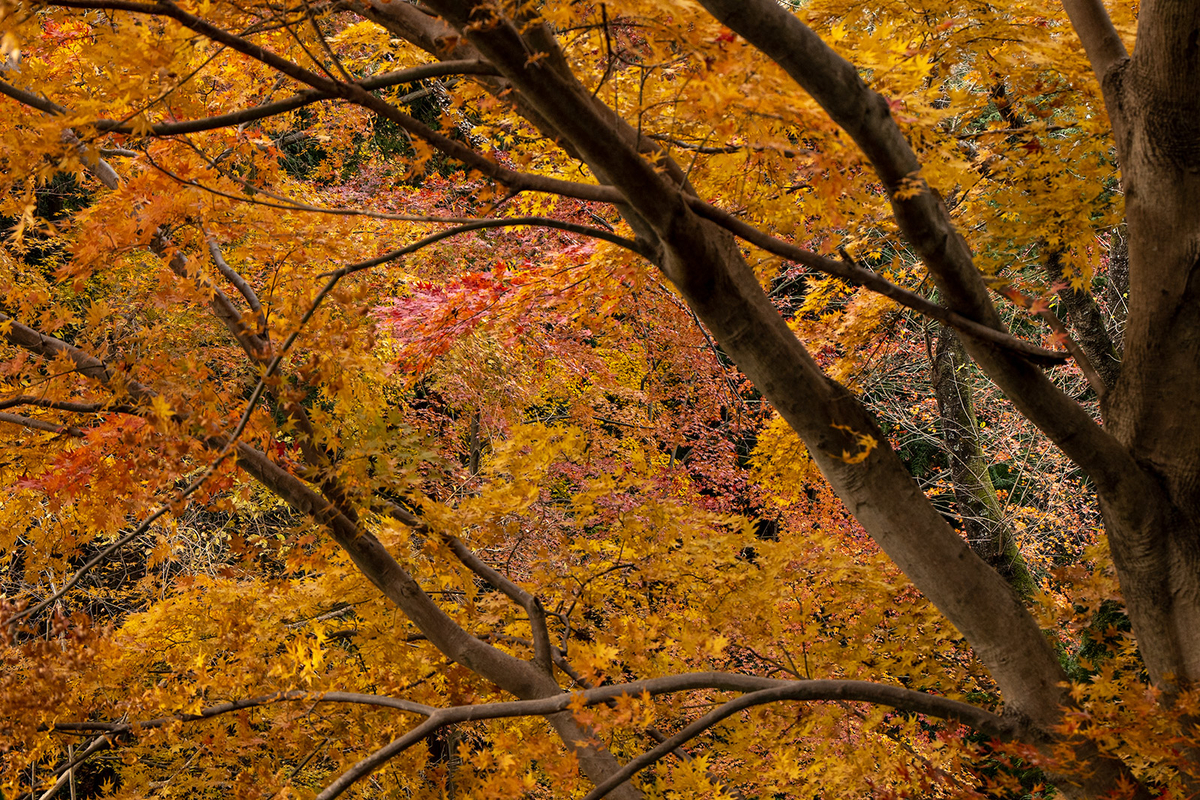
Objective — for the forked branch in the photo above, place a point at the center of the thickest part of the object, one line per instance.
(759, 691)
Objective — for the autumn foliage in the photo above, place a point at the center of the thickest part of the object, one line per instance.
(590, 399)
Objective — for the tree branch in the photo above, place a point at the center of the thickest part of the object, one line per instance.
(542, 649)
(759, 691)
(244, 288)
(60, 405)
(298, 100)
(544, 652)
(293, 696)
(853, 274)
(40, 425)
(1100, 39)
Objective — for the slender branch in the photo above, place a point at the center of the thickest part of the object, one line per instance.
(40, 424)
(1081, 358)
(253, 343)
(786, 152)
(544, 652)
(671, 743)
(468, 223)
(66, 771)
(759, 691)
(294, 696)
(57, 405)
(542, 649)
(240, 283)
(32, 100)
(298, 100)
(506, 222)
(381, 756)
(854, 274)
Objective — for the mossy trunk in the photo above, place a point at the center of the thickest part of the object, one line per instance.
(975, 496)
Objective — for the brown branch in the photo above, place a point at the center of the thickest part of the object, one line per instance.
(30, 99)
(298, 100)
(60, 405)
(294, 696)
(1085, 364)
(381, 756)
(542, 649)
(852, 273)
(253, 343)
(672, 743)
(759, 691)
(509, 222)
(240, 283)
(40, 425)
(1100, 39)
(544, 652)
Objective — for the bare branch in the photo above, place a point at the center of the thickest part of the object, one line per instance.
(40, 424)
(57, 405)
(294, 696)
(381, 756)
(760, 691)
(504, 222)
(1085, 364)
(244, 288)
(1100, 39)
(542, 649)
(687, 734)
(860, 276)
(253, 343)
(30, 99)
(544, 652)
(296, 101)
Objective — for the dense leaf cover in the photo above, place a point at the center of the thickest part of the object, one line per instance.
(353, 426)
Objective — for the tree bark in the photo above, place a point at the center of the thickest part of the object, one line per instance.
(987, 532)
(1086, 319)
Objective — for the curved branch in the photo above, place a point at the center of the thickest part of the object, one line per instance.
(759, 691)
(293, 696)
(381, 756)
(860, 276)
(32, 100)
(298, 100)
(542, 649)
(671, 743)
(504, 222)
(40, 425)
(1127, 489)
(544, 652)
(240, 283)
(1100, 39)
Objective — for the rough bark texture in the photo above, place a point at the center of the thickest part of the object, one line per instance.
(1087, 323)
(1144, 464)
(1154, 100)
(983, 521)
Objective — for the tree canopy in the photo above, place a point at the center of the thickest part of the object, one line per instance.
(630, 399)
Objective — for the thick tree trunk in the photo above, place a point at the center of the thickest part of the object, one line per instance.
(989, 535)
(1153, 100)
